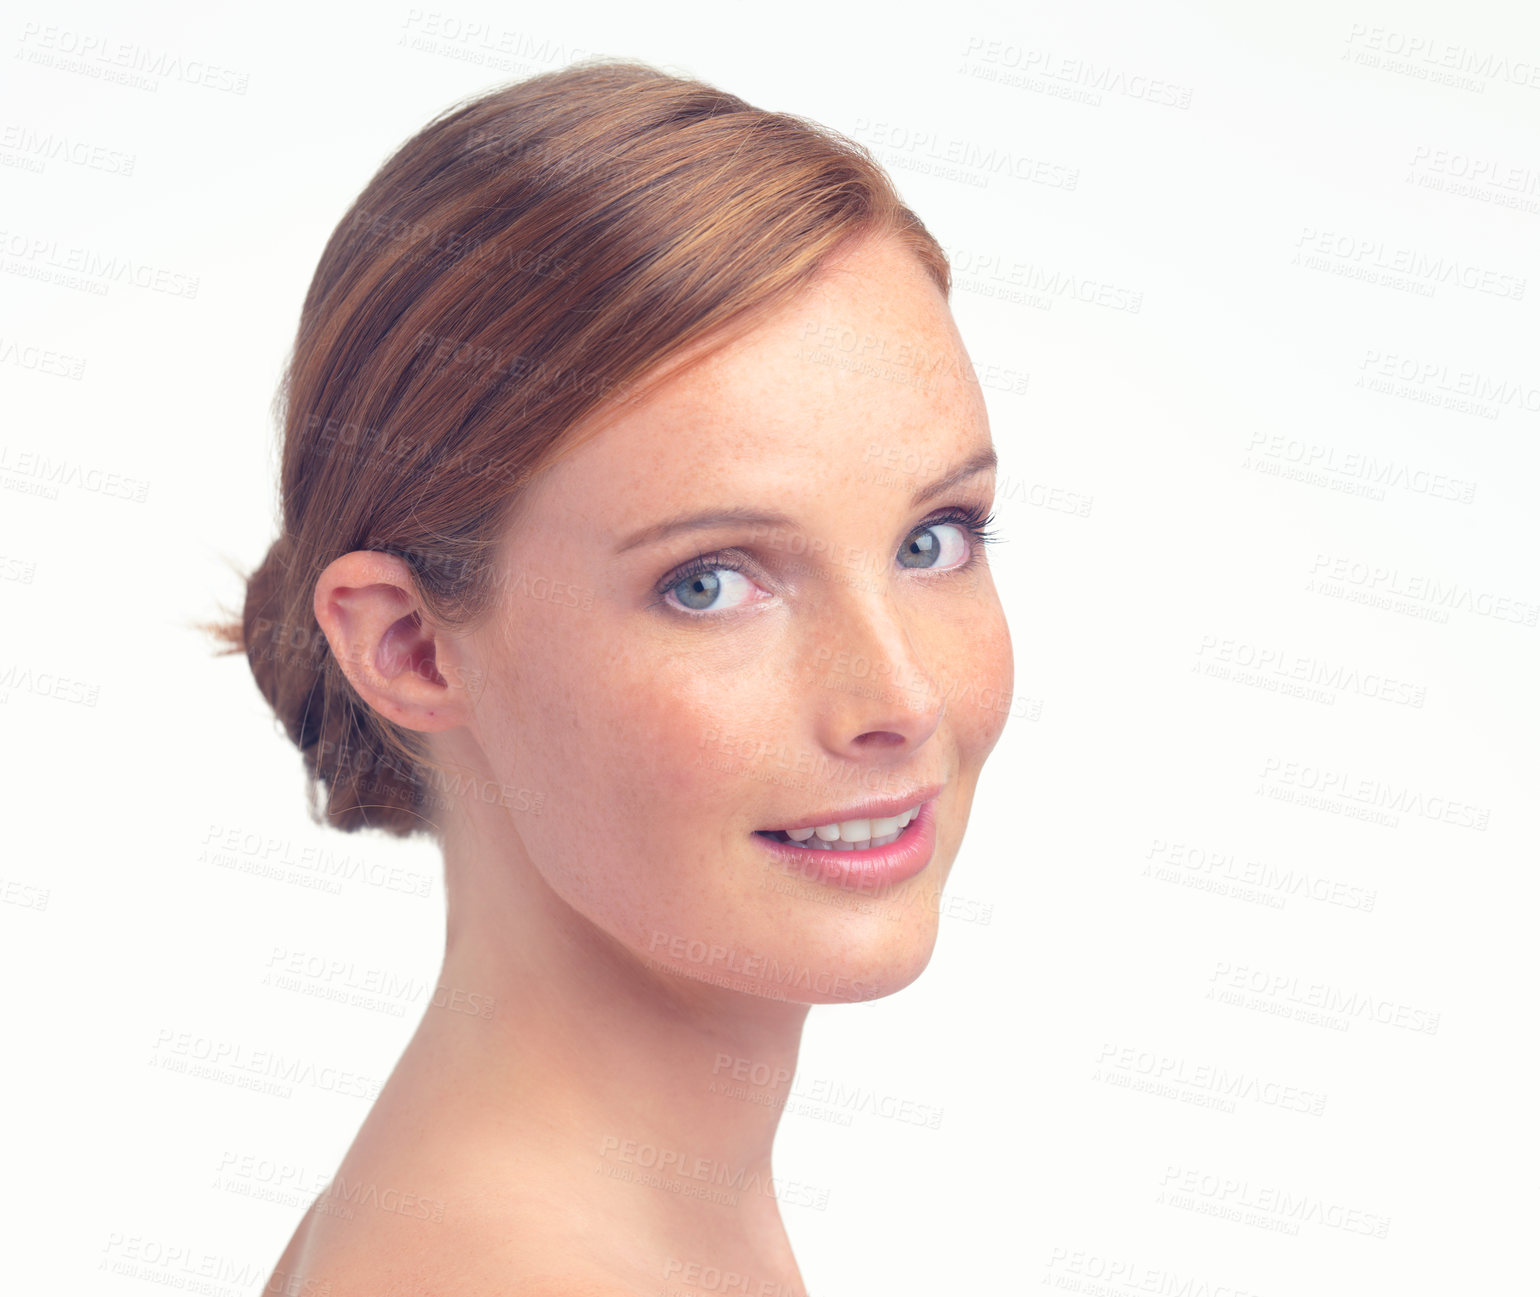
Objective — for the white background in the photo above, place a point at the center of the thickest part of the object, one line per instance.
(1329, 249)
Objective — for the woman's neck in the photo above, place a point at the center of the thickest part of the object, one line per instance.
(553, 1060)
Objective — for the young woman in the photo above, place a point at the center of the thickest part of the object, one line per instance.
(635, 490)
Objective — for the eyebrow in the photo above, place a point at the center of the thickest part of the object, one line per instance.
(984, 461)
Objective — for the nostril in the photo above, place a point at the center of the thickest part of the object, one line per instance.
(880, 738)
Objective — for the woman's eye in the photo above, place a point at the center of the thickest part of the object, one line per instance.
(929, 546)
(711, 584)
(713, 590)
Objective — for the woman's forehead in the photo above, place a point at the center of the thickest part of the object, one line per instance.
(870, 353)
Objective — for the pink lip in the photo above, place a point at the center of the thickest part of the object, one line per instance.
(875, 867)
(872, 810)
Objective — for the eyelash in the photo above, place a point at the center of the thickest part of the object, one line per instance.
(972, 519)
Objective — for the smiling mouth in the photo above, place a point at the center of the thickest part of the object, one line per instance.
(847, 835)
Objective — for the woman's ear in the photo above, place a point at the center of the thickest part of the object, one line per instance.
(406, 668)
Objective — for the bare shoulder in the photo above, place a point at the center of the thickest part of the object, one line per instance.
(381, 1276)
(354, 1285)
(468, 1254)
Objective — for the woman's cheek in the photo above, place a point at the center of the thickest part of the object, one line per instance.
(702, 720)
(986, 687)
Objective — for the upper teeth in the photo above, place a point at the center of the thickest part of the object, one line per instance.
(852, 835)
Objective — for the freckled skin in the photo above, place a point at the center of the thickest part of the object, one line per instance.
(658, 740)
(646, 833)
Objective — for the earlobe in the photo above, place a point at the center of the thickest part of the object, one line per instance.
(367, 605)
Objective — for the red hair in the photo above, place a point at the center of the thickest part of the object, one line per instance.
(527, 260)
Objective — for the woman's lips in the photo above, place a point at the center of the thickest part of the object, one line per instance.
(860, 869)
(860, 832)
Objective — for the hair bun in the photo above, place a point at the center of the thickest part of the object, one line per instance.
(356, 780)
(263, 611)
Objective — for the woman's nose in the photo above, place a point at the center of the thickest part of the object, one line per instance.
(877, 691)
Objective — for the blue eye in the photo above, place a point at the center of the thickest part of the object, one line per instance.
(700, 587)
(923, 547)
(716, 583)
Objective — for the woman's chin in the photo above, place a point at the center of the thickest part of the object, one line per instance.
(872, 956)
(893, 965)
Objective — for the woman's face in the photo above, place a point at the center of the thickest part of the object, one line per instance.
(673, 708)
